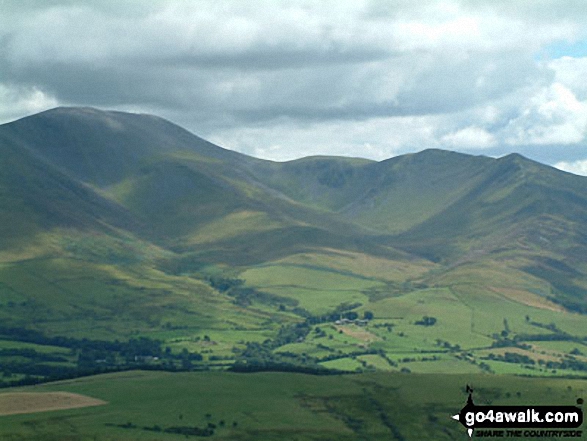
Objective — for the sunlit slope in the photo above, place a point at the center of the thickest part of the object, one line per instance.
(514, 202)
(454, 208)
(433, 194)
(187, 194)
(386, 197)
(142, 162)
(531, 217)
(209, 205)
(118, 196)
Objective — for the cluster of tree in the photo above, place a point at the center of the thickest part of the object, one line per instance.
(352, 355)
(87, 357)
(296, 332)
(550, 326)
(507, 342)
(545, 337)
(412, 359)
(271, 365)
(32, 355)
(186, 431)
(34, 368)
(224, 284)
(344, 310)
(245, 296)
(130, 348)
(485, 367)
(511, 357)
(426, 321)
(262, 356)
(191, 431)
(570, 363)
(448, 345)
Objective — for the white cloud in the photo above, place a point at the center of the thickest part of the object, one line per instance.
(377, 138)
(577, 167)
(17, 102)
(469, 137)
(571, 72)
(551, 116)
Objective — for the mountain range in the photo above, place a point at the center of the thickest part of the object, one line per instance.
(94, 202)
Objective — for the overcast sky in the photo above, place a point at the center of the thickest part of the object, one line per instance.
(286, 79)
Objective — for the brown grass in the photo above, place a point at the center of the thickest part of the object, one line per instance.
(358, 333)
(13, 403)
(527, 298)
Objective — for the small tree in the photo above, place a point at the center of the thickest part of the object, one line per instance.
(426, 321)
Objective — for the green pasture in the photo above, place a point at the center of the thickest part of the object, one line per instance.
(316, 290)
(278, 406)
(360, 264)
(347, 364)
(376, 362)
(472, 310)
(100, 301)
(303, 276)
(44, 349)
(563, 346)
(472, 306)
(444, 365)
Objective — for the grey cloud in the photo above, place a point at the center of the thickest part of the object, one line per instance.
(266, 58)
(215, 66)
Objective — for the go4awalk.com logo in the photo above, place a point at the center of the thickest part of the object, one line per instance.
(520, 421)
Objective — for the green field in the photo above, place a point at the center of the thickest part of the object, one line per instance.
(478, 318)
(479, 311)
(278, 406)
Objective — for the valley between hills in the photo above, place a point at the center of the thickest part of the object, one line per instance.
(127, 242)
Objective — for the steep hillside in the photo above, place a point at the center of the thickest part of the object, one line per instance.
(174, 184)
(103, 148)
(512, 194)
(36, 197)
(115, 225)
(190, 195)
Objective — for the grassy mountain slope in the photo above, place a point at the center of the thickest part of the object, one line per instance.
(37, 197)
(172, 182)
(512, 194)
(527, 214)
(385, 197)
(455, 208)
(103, 148)
(117, 225)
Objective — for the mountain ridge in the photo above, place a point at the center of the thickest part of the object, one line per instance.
(135, 158)
(144, 179)
(124, 227)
